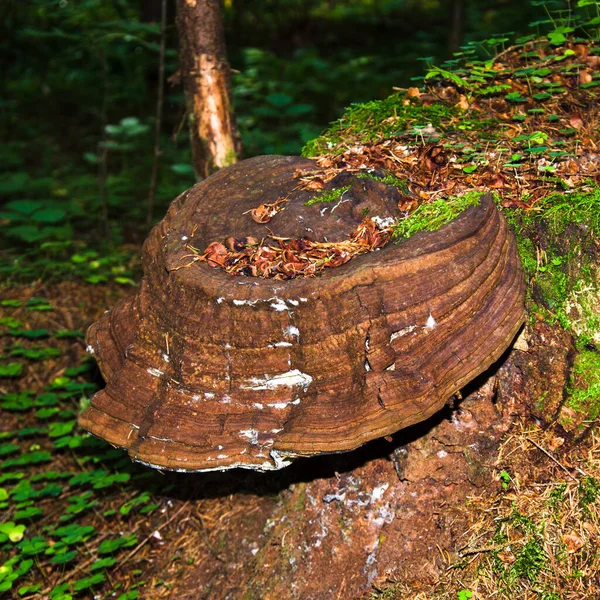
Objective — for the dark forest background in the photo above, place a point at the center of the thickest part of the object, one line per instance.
(79, 91)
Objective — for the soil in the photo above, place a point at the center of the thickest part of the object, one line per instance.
(332, 526)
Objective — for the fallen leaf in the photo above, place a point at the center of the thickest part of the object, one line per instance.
(573, 542)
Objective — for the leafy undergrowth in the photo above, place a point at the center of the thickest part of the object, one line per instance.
(538, 539)
(524, 123)
(77, 517)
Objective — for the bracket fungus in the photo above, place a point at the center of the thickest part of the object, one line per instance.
(209, 370)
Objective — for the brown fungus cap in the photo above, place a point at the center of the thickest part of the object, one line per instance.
(208, 370)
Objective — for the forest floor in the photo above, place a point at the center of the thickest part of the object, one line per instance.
(79, 519)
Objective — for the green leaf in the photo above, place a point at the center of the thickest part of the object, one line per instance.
(10, 322)
(69, 333)
(113, 129)
(470, 168)
(279, 100)
(59, 592)
(6, 449)
(38, 304)
(13, 303)
(183, 169)
(19, 402)
(124, 281)
(13, 369)
(32, 458)
(46, 413)
(47, 399)
(3, 495)
(130, 504)
(30, 334)
(29, 589)
(36, 353)
(108, 561)
(33, 546)
(27, 207)
(129, 122)
(29, 512)
(11, 531)
(73, 533)
(88, 582)
(61, 559)
(515, 97)
(110, 546)
(566, 54)
(58, 429)
(11, 477)
(24, 566)
(111, 479)
(49, 215)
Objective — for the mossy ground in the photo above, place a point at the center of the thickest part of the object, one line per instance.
(525, 125)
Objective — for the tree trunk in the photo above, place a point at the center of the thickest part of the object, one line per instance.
(206, 79)
(457, 18)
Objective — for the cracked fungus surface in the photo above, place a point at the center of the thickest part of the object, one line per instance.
(209, 371)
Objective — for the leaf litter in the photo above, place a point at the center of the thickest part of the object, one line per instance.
(524, 125)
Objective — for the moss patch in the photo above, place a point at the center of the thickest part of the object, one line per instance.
(328, 196)
(432, 216)
(388, 179)
(585, 392)
(561, 210)
(370, 121)
(556, 240)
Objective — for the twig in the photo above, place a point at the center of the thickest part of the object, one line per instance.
(159, 111)
(481, 550)
(552, 458)
(103, 149)
(147, 539)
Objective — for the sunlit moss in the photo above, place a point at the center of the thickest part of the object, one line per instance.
(433, 215)
(378, 119)
(328, 196)
(585, 388)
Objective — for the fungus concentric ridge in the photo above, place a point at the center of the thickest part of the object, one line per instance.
(210, 371)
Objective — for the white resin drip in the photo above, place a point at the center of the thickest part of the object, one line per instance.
(291, 378)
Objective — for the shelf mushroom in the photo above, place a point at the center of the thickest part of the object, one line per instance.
(206, 369)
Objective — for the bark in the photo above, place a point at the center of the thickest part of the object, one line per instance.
(206, 78)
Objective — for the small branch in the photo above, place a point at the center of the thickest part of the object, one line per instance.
(481, 550)
(102, 149)
(552, 458)
(147, 539)
(159, 112)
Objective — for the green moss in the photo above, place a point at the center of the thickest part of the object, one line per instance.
(378, 119)
(388, 179)
(585, 391)
(328, 196)
(300, 504)
(563, 275)
(432, 216)
(580, 208)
